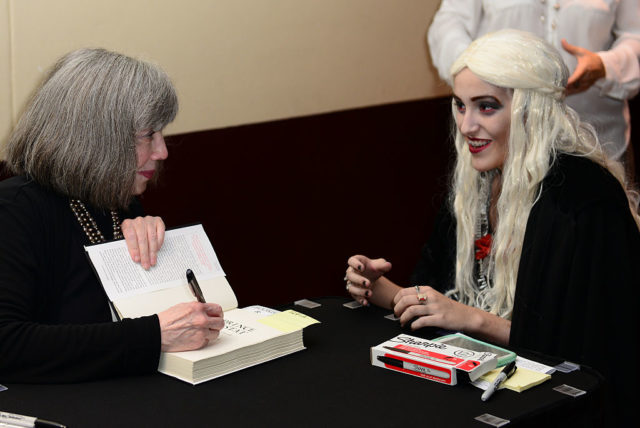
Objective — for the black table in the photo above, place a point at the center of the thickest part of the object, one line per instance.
(331, 383)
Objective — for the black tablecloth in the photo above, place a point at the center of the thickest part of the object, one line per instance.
(331, 383)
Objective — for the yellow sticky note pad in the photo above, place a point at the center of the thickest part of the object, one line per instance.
(521, 380)
(288, 320)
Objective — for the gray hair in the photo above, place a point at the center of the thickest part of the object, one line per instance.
(77, 135)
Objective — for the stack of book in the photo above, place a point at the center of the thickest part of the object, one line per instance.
(251, 335)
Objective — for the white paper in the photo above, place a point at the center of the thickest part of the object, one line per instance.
(534, 366)
(184, 248)
(261, 311)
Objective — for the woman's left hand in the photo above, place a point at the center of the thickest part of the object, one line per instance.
(144, 237)
(431, 308)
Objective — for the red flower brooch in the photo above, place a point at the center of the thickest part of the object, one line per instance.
(483, 246)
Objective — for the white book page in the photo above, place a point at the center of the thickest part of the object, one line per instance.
(241, 329)
(183, 248)
(215, 290)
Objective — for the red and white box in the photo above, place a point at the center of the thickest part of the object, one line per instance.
(432, 360)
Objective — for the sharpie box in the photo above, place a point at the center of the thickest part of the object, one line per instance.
(432, 360)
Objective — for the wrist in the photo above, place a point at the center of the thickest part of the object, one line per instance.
(475, 321)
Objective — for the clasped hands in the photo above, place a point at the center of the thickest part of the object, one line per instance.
(430, 308)
(185, 326)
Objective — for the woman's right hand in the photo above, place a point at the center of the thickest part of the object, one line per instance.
(188, 326)
(362, 274)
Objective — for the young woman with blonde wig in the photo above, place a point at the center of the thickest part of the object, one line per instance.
(538, 246)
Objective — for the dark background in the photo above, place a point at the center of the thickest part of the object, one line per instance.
(287, 202)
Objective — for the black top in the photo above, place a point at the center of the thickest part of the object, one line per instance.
(577, 288)
(55, 322)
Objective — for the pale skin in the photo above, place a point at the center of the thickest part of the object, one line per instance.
(185, 326)
(483, 118)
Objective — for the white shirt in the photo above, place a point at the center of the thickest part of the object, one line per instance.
(611, 28)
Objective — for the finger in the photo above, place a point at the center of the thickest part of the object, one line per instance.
(152, 240)
(216, 324)
(401, 306)
(358, 262)
(572, 49)
(576, 76)
(408, 297)
(402, 293)
(213, 335)
(357, 291)
(412, 312)
(424, 321)
(160, 230)
(380, 265)
(355, 278)
(157, 237)
(128, 231)
(213, 309)
(143, 242)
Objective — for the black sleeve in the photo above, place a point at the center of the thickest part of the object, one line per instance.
(436, 266)
(35, 345)
(577, 289)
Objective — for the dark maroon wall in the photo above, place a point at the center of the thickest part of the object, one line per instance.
(286, 202)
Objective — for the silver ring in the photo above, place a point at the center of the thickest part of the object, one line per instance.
(345, 278)
(418, 289)
(347, 286)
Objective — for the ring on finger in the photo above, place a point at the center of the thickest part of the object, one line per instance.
(422, 298)
(347, 286)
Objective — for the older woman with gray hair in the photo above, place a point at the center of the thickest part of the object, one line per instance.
(88, 143)
(538, 245)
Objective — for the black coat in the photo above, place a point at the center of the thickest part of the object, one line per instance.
(577, 288)
(55, 323)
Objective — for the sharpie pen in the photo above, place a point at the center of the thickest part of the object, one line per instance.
(413, 367)
(12, 420)
(505, 374)
(446, 360)
(195, 287)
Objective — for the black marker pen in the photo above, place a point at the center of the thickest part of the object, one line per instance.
(413, 367)
(195, 287)
(13, 420)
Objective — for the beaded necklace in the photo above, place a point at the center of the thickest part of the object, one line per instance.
(484, 237)
(90, 226)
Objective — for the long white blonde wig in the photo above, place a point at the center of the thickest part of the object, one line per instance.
(541, 127)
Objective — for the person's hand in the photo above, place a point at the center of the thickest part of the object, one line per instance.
(188, 326)
(589, 69)
(431, 308)
(144, 237)
(361, 274)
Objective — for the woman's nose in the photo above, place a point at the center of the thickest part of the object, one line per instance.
(159, 147)
(468, 123)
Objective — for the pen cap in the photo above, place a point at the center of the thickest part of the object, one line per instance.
(509, 368)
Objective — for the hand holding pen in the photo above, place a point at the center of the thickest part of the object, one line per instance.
(505, 374)
(191, 325)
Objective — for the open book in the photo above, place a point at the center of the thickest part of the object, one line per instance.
(250, 336)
